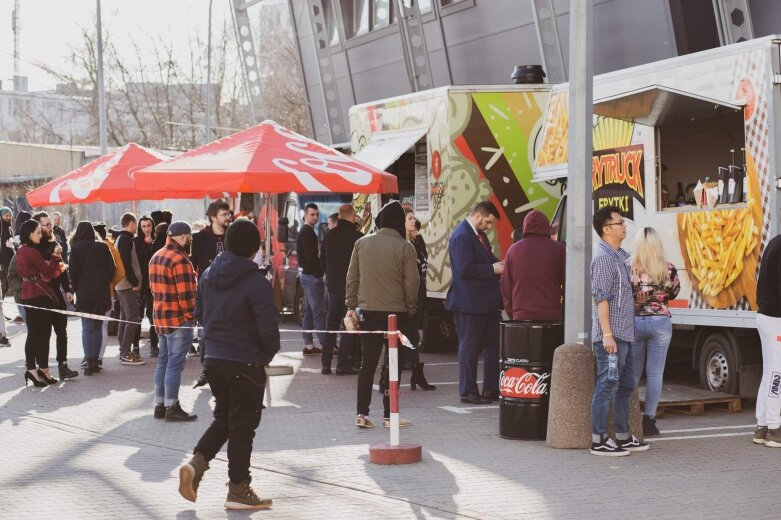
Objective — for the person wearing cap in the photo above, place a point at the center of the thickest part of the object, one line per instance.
(173, 285)
(235, 303)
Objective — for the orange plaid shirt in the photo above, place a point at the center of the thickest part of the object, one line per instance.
(173, 284)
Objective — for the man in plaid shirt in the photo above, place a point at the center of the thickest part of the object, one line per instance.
(612, 330)
(173, 284)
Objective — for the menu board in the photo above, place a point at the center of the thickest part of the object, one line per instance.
(422, 188)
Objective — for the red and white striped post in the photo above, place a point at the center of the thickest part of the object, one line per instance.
(395, 452)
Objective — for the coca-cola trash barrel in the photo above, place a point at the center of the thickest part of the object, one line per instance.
(526, 364)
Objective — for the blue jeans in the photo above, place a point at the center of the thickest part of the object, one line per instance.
(652, 339)
(617, 392)
(314, 306)
(336, 311)
(170, 362)
(91, 337)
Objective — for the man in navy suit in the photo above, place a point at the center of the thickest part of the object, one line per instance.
(474, 298)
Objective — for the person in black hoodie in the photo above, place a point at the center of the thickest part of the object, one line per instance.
(337, 248)
(61, 284)
(235, 304)
(144, 240)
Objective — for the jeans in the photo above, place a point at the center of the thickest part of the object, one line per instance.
(170, 362)
(334, 321)
(314, 306)
(104, 336)
(372, 349)
(130, 306)
(91, 337)
(769, 395)
(649, 350)
(39, 332)
(60, 325)
(238, 390)
(619, 393)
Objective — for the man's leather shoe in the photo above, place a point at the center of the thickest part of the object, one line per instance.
(473, 399)
(490, 395)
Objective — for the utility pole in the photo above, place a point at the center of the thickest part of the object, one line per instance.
(101, 89)
(577, 320)
(209, 79)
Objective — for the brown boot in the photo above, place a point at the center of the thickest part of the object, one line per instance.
(190, 476)
(241, 496)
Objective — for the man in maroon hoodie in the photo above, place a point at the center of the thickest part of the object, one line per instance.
(533, 279)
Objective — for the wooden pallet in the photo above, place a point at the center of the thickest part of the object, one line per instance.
(693, 401)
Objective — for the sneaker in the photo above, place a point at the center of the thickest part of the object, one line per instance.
(174, 413)
(634, 444)
(608, 448)
(649, 426)
(4, 342)
(311, 350)
(138, 358)
(190, 476)
(193, 351)
(159, 411)
(760, 435)
(242, 496)
(326, 371)
(402, 422)
(361, 421)
(130, 360)
(84, 362)
(773, 438)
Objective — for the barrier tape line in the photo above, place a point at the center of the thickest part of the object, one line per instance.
(402, 338)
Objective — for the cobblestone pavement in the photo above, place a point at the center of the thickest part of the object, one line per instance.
(89, 448)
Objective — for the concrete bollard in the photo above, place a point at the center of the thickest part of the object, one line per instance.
(572, 386)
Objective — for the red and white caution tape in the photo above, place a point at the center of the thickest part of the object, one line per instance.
(402, 338)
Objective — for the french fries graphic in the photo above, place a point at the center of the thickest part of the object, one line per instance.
(717, 242)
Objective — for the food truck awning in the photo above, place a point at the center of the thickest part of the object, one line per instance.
(657, 105)
(385, 148)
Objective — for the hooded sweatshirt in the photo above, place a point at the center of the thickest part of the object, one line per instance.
(235, 304)
(533, 279)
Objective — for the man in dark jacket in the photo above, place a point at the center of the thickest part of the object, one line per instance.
(6, 245)
(474, 299)
(62, 292)
(235, 303)
(338, 246)
(60, 235)
(128, 291)
(143, 243)
(533, 278)
(308, 255)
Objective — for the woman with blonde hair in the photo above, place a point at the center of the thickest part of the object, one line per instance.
(654, 283)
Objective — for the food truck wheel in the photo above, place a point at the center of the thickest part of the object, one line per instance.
(298, 306)
(718, 364)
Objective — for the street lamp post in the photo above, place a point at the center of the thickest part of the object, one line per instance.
(577, 321)
(209, 77)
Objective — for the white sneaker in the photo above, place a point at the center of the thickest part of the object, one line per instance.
(608, 448)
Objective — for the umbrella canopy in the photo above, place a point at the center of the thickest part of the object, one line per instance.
(109, 178)
(267, 158)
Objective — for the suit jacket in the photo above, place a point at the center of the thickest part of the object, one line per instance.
(475, 287)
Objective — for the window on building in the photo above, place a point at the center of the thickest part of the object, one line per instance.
(694, 24)
(355, 17)
(331, 24)
(382, 14)
(446, 3)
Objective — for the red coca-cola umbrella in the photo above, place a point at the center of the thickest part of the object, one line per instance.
(267, 158)
(109, 178)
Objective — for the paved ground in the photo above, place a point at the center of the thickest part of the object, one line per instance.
(89, 448)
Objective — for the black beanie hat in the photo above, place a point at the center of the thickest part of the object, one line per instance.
(242, 238)
(392, 216)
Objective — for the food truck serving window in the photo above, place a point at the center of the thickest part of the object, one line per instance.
(699, 146)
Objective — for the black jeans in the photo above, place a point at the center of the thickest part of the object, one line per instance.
(146, 309)
(372, 349)
(60, 324)
(39, 332)
(238, 390)
(334, 321)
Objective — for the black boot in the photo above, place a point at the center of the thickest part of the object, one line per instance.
(91, 368)
(419, 379)
(65, 372)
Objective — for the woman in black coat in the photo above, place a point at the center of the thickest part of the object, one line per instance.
(91, 270)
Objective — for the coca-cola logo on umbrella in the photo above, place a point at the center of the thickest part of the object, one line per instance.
(517, 383)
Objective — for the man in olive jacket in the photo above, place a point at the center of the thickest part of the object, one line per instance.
(382, 279)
